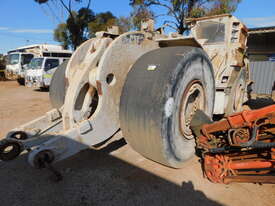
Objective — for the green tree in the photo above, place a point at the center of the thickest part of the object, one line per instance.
(77, 25)
(179, 10)
(141, 12)
(223, 6)
(101, 22)
(76, 29)
(61, 34)
(83, 24)
(66, 4)
(125, 24)
(105, 20)
(87, 27)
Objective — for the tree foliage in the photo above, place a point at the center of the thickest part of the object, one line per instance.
(101, 22)
(61, 34)
(87, 24)
(84, 23)
(75, 30)
(105, 20)
(66, 4)
(141, 12)
(179, 10)
(223, 6)
(77, 25)
(124, 23)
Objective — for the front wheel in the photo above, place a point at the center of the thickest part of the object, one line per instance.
(21, 81)
(163, 90)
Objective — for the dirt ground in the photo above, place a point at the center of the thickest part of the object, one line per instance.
(115, 175)
(19, 105)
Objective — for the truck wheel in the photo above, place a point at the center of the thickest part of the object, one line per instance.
(163, 90)
(57, 88)
(21, 81)
(238, 94)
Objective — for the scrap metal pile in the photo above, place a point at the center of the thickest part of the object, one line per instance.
(240, 148)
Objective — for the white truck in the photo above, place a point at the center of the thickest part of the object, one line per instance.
(40, 70)
(19, 58)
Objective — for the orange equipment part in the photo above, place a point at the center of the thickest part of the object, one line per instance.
(238, 120)
(240, 148)
(251, 164)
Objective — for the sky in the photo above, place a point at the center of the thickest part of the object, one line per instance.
(25, 22)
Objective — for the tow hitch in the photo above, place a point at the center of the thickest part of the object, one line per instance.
(44, 145)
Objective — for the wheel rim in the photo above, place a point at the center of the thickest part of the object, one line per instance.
(193, 99)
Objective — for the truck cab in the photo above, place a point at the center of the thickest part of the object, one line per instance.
(16, 63)
(40, 71)
(19, 58)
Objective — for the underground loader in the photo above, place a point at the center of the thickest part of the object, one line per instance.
(157, 89)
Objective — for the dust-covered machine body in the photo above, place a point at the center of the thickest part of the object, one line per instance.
(147, 84)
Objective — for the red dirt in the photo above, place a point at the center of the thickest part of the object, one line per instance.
(19, 105)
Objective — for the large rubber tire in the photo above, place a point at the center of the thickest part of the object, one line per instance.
(57, 90)
(150, 105)
(21, 81)
(239, 94)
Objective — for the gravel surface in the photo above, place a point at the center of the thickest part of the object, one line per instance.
(114, 175)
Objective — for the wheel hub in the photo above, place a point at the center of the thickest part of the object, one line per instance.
(193, 99)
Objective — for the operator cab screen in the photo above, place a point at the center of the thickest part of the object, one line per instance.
(214, 32)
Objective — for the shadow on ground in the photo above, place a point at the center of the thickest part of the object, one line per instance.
(41, 89)
(92, 177)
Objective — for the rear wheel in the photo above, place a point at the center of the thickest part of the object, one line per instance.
(57, 90)
(238, 94)
(163, 90)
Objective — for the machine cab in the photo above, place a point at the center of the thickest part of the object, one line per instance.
(224, 38)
